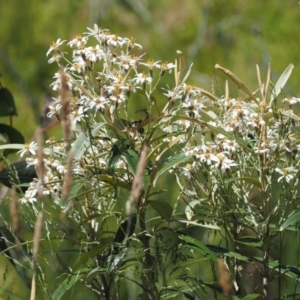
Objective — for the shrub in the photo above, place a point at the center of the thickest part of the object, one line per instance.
(108, 210)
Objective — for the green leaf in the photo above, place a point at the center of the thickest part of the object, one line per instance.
(250, 241)
(12, 146)
(9, 294)
(238, 256)
(199, 246)
(129, 263)
(114, 182)
(80, 145)
(13, 136)
(63, 264)
(247, 180)
(108, 227)
(164, 209)
(172, 162)
(276, 229)
(85, 256)
(121, 124)
(115, 260)
(202, 224)
(187, 264)
(157, 192)
(217, 249)
(207, 116)
(82, 142)
(291, 220)
(248, 297)
(291, 271)
(191, 210)
(236, 80)
(132, 160)
(7, 103)
(96, 127)
(281, 82)
(75, 187)
(117, 150)
(64, 286)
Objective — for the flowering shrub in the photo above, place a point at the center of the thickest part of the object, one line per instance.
(235, 160)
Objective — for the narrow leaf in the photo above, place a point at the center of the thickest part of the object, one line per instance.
(291, 220)
(12, 146)
(132, 160)
(63, 264)
(200, 224)
(164, 209)
(236, 80)
(9, 294)
(248, 297)
(172, 162)
(64, 286)
(247, 180)
(199, 246)
(291, 271)
(157, 192)
(281, 82)
(82, 142)
(250, 241)
(238, 256)
(80, 146)
(85, 256)
(115, 260)
(75, 187)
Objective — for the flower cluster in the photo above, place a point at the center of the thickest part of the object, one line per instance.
(243, 121)
(218, 135)
(112, 75)
(54, 161)
(102, 74)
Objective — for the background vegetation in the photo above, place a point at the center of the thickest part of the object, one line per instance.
(234, 34)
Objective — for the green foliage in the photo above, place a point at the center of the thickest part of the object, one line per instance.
(235, 202)
(203, 141)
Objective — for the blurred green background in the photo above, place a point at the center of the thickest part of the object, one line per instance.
(236, 34)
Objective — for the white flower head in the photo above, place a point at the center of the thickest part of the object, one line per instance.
(116, 41)
(166, 66)
(79, 41)
(77, 115)
(93, 54)
(98, 103)
(192, 107)
(29, 148)
(96, 31)
(142, 78)
(151, 64)
(287, 174)
(55, 46)
(55, 57)
(291, 100)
